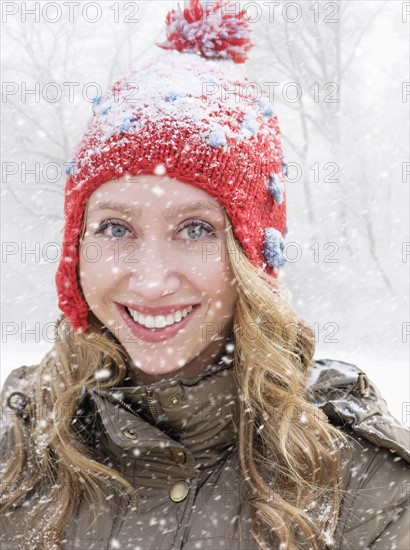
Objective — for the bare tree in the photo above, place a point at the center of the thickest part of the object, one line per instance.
(317, 53)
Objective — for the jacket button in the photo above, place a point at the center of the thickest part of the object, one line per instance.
(178, 455)
(174, 399)
(179, 491)
(131, 434)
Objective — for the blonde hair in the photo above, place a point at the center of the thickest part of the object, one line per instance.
(288, 452)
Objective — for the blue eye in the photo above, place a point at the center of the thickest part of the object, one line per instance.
(113, 228)
(196, 228)
(118, 231)
(194, 231)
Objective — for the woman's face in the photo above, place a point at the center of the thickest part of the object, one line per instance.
(154, 269)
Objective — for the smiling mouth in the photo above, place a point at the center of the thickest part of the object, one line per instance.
(159, 321)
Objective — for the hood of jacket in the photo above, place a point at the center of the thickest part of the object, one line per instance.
(349, 398)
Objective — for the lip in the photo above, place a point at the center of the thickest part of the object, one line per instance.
(155, 334)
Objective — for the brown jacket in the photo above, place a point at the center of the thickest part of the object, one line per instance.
(175, 442)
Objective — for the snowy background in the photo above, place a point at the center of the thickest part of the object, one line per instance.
(339, 69)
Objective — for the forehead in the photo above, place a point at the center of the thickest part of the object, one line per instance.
(136, 194)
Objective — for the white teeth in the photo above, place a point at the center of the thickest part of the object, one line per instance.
(150, 321)
(159, 321)
(170, 320)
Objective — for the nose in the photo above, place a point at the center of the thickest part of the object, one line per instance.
(156, 274)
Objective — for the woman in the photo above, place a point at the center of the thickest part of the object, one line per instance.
(180, 407)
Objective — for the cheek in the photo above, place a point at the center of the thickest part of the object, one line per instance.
(98, 269)
(218, 279)
(208, 271)
(87, 270)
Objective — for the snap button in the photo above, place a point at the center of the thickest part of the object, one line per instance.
(178, 455)
(19, 404)
(174, 399)
(131, 434)
(179, 491)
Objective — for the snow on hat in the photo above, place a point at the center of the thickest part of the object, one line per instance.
(192, 111)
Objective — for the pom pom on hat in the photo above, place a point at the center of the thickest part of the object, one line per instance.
(208, 30)
(276, 188)
(273, 247)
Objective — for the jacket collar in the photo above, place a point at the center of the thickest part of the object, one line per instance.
(197, 416)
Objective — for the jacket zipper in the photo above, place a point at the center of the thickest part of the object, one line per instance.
(126, 406)
(151, 404)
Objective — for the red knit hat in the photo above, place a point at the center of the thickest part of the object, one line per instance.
(192, 111)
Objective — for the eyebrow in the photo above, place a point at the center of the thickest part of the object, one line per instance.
(123, 207)
(197, 206)
(168, 213)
